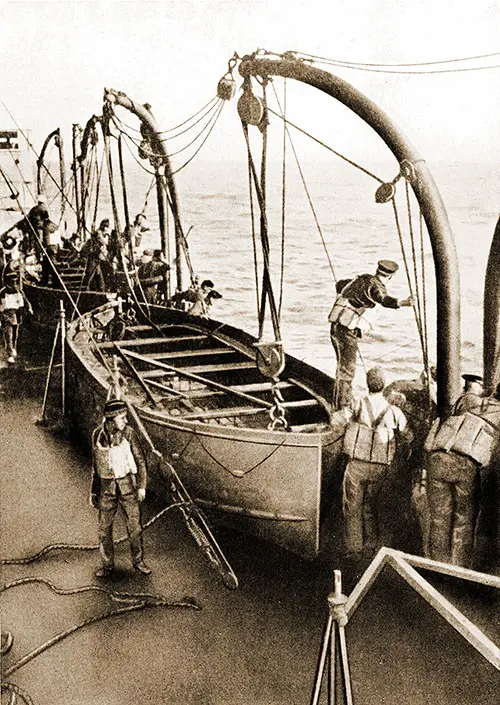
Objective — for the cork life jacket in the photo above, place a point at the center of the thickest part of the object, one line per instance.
(348, 314)
(375, 443)
(474, 434)
(114, 460)
(10, 300)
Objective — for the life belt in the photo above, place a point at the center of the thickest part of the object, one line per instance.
(349, 316)
(467, 434)
(114, 461)
(375, 444)
(11, 301)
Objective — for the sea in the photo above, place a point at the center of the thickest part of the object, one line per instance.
(334, 231)
(329, 228)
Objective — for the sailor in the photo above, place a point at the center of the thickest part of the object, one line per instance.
(118, 478)
(370, 442)
(354, 297)
(139, 228)
(457, 448)
(12, 300)
(472, 394)
(95, 252)
(152, 275)
(205, 296)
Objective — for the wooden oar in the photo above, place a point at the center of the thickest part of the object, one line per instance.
(197, 378)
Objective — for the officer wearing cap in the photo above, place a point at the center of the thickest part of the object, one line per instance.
(118, 479)
(354, 298)
(472, 395)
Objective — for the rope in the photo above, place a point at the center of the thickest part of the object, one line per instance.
(264, 240)
(254, 467)
(15, 690)
(407, 269)
(254, 238)
(214, 122)
(187, 602)
(308, 195)
(415, 274)
(330, 149)
(79, 546)
(283, 201)
(421, 63)
(391, 68)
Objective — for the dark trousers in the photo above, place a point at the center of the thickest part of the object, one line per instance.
(113, 494)
(360, 491)
(345, 344)
(10, 337)
(452, 496)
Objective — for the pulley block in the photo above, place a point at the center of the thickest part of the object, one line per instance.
(270, 358)
(226, 88)
(250, 106)
(385, 192)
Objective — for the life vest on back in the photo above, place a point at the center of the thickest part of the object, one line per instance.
(113, 461)
(473, 434)
(373, 443)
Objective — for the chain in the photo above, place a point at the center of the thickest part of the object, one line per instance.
(277, 411)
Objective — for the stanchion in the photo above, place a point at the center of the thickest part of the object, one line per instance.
(335, 626)
(60, 332)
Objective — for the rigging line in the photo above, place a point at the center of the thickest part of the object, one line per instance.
(407, 269)
(266, 282)
(308, 195)
(183, 149)
(415, 273)
(424, 305)
(330, 149)
(214, 122)
(264, 238)
(135, 129)
(213, 108)
(254, 237)
(137, 161)
(421, 63)
(283, 201)
(411, 73)
(98, 190)
(137, 142)
(30, 145)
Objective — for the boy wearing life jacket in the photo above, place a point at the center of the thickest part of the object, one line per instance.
(118, 479)
(457, 448)
(12, 300)
(354, 298)
(370, 443)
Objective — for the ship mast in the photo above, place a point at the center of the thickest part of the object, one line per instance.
(426, 192)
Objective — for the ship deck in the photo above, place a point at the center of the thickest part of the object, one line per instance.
(258, 644)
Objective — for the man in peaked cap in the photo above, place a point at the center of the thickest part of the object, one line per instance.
(118, 478)
(354, 298)
(472, 394)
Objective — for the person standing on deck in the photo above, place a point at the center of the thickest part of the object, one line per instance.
(457, 448)
(354, 298)
(370, 443)
(118, 478)
(12, 300)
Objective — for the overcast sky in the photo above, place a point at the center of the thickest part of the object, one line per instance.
(56, 58)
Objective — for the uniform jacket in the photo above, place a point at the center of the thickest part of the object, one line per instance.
(366, 290)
